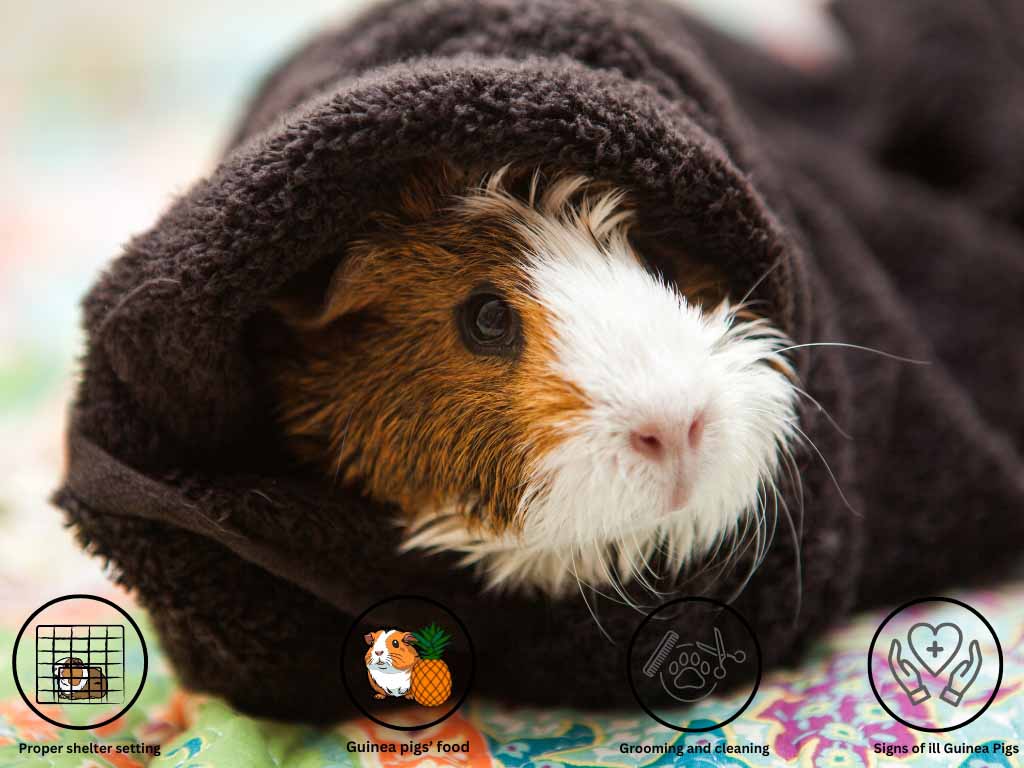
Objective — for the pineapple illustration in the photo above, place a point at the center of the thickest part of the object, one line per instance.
(431, 678)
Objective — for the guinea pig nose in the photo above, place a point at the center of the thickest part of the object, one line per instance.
(655, 441)
(648, 442)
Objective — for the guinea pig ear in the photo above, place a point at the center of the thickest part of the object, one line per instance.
(301, 301)
(315, 299)
(410, 638)
(429, 187)
(368, 637)
(355, 285)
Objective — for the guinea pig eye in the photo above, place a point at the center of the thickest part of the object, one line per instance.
(394, 643)
(488, 325)
(492, 320)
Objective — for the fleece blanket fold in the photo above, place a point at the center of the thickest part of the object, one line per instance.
(806, 189)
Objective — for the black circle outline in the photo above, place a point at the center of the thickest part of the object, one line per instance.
(472, 657)
(935, 599)
(694, 599)
(145, 661)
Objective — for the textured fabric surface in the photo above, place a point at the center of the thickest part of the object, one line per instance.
(174, 471)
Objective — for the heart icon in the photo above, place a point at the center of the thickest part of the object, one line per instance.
(935, 646)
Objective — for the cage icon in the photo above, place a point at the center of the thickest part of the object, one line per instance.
(80, 664)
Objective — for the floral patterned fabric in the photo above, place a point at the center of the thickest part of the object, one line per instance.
(821, 715)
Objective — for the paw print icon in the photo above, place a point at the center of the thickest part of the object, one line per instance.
(695, 669)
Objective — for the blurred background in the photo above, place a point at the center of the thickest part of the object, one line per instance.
(109, 109)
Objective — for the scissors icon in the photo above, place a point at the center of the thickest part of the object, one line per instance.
(721, 654)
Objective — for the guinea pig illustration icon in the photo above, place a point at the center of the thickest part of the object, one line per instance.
(73, 679)
(407, 662)
(409, 665)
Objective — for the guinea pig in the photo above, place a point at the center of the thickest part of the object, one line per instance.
(500, 357)
(75, 680)
(389, 662)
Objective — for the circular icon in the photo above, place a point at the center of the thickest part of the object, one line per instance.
(80, 662)
(407, 662)
(935, 664)
(687, 651)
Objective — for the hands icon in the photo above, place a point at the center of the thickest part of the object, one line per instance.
(962, 676)
(938, 667)
(909, 676)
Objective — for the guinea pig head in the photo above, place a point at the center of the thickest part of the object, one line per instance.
(390, 649)
(501, 363)
(71, 673)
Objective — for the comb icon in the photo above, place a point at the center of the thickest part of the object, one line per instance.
(661, 653)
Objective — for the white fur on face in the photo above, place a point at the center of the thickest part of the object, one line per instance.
(594, 510)
(382, 661)
(64, 672)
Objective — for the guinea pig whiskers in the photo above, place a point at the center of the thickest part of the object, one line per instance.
(859, 348)
(756, 531)
(755, 563)
(796, 531)
(750, 291)
(715, 565)
(823, 412)
(764, 533)
(645, 558)
(828, 468)
(793, 472)
(590, 608)
(759, 539)
(798, 574)
(637, 565)
(776, 515)
(621, 598)
(797, 481)
(613, 577)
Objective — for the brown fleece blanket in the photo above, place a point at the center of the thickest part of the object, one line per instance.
(882, 199)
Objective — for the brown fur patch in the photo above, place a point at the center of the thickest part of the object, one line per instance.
(381, 390)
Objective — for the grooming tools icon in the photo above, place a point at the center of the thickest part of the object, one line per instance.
(687, 650)
(657, 659)
(720, 653)
(690, 671)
